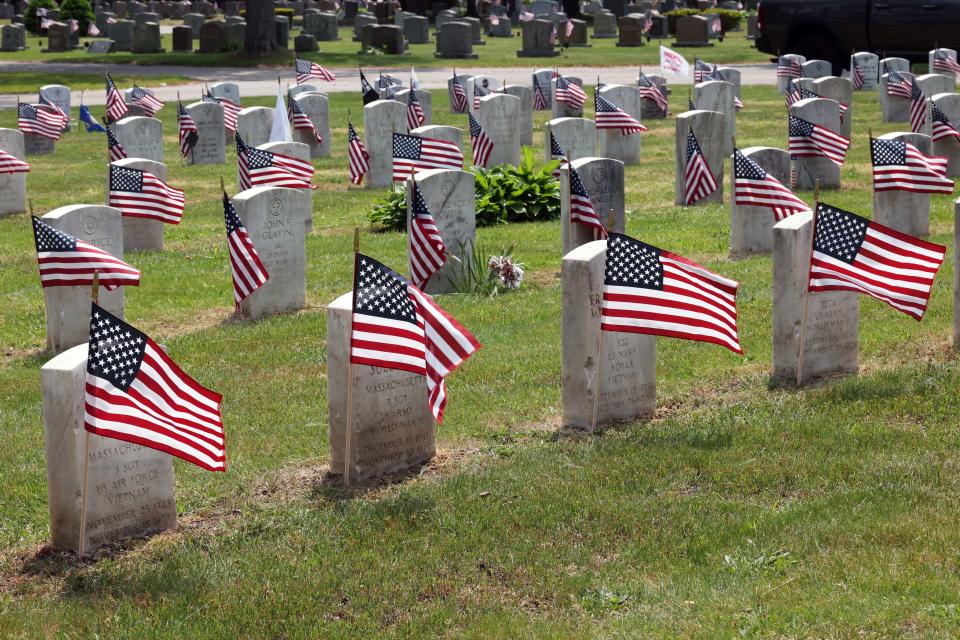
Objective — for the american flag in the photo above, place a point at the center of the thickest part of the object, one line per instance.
(136, 393)
(944, 62)
(570, 93)
(248, 272)
(143, 99)
(115, 150)
(788, 68)
(427, 251)
(918, 108)
(610, 116)
(415, 115)
(189, 134)
(557, 153)
(479, 91)
(74, 25)
(851, 253)
(943, 127)
(795, 92)
(40, 121)
(387, 86)
(415, 153)
(357, 154)
(367, 91)
(650, 91)
(701, 70)
(268, 168)
(581, 208)
(230, 112)
(698, 179)
(396, 326)
(899, 166)
(480, 142)
(11, 164)
(857, 75)
(899, 86)
(717, 76)
(754, 187)
(306, 70)
(651, 291)
(140, 194)
(808, 140)
(300, 120)
(65, 261)
(459, 96)
(691, 105)
(92, 30)
(539, 99)
(44, 102)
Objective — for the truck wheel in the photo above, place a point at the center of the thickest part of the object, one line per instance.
(816, 46)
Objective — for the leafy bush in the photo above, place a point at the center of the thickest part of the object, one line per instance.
(30, 20)
(80, 11)
(503, 194)
(729, 18)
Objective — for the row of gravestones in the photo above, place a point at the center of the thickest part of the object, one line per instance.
(873, 67)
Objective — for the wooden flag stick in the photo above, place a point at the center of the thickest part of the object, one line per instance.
(223, 186)
(82, 543)
(348, 435)
(806, 290)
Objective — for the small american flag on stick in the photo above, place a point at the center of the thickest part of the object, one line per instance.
(136, 393)
(414, 153)
(650, 91)
(754, 187)
(479, 141)
(44, 102)
(808, 140)
(698, 178)
(701, 70)
(539, 99)
(479, 91)
(943, 127)
(651, 291)
(245, 265)
(570, 93)
(459, 95)
(10, 163)
(899, 166)
(581, 207)
(415, 115)
(357, 154)
(898, 85)
(146, 101)
(39, 121)
(300, 120)
(189, 134)
(857, 75)
(943, 62)
(230, 111)
(140, 194)
(610, 116)
(851, 253)
(789, 68)
(65, 261)
(115, 150)
(557, 153)
(116, 107)
(918, 108)
(267, 168)
(427, 251)
(306, 70)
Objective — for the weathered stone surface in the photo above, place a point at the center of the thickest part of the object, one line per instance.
(416, 29)
(13, 186)
(423, 97)
(816, 69)
(627, 368)
(525, 123)
(141, 234)
(951, 53)
(130, 488)
(299, 89)
(316, 106)
(563, 109)
(893, 108)
(195, 22)
(121, 32)
(362, 20)
(59, 95)
(381, 119)
(612, 143)
(58, 37)
(213, 36)
(841, 90)
(146, 38)
(717, 95)
(603, 180)
(933, 83)
(693, 31)
(441, 132)
(323, 26)
(831, 343)
(305, 43)
(490, 83)
(782, 82)
(254, 124)
(538, 40)
(182, 38)
(388, 38)
(455, 40)
(630, 28)
(13, 37)
(228, 90)
(211, 146)
(499, 116)
(905, 211)
(751, 227)
(35, 145)
(578, 36)
(275, 219)
(451, 199)
(605, 25)
(140, 137)
(869, 67)
(826, 114)
(709, 127)
(576, 136)
(392, 427)
(68, 308)
(949, 104)
(894, 64)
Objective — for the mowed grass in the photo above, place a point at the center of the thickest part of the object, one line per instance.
(742, 509)
(497, 52)
(25, 83)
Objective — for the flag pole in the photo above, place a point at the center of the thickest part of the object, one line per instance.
(30, 202)
(82, 543)
(596, 384)
(806, 290)
(347, 432)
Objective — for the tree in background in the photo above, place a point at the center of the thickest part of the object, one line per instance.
(80, 11)
(30, 19)
(261, 28)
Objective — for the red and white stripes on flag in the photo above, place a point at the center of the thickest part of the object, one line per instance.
(918, 108)
(245, 265)
(650, 91)
(651, 291)
(300, 120)
(943, 127)
(230, 112)
(64, 120)
(900, 166)
(852, 253)
(788, 67)
(459, 95)
(698, 178)
(808, 140)
(307, 70)
(754, 187)
(9, 163)
(898, 85)
(857, 75)
(146, 101)
(943, 62)
(557, 153)
(140, 194)
(39, 121)
(570, 93)
(65, 261)
(267, 168)
(416, 153)
(188, 130)
(116, 107)
(610, 116)
(115, 150)
(581, 207)
(357, 154)
(539, 99)
(480, 142)
(427, 251)
(415, 115)
(136, 393)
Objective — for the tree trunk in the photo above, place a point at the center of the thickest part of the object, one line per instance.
(261, 28)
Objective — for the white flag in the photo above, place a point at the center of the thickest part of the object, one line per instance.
(414, 83)
(672, 64)
(280, 131)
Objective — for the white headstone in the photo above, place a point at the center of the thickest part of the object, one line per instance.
(751, 227)
(526, 111)
(627, 368)
(392, 427)
(140, 137)
(299, 89)
(717, 95)
(894, 64)
(951, 53)
(933, 83)
(36, 145)
(612, 143)
(543, 76)
(603, 180)
(228, 90)
(731, 75)
(949, 147)
(576, 136)
(826, 114)
(441, 132)
(59, 95)
(381, 119)
(894, 108)
(831, 342)
(317, 108)
(905, 211)
(499, 116)
(13, 186)
(816, 69)
(211, 147)
(425, 100)
(254, 125)
(462, 78)
(841, 90)
(68, 308)
(709, 127)
(141, 234)
(782, 82)
(869, 66)
(490, 83)
(563, 109)
(274, 217)
(130, 488)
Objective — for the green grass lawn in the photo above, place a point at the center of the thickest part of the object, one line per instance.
(742, 509)
(20, 82)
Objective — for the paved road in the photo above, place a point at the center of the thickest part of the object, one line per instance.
(263, 81)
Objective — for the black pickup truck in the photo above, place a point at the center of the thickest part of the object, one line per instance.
(831, 29)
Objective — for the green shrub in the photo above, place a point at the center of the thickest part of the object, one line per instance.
(80, 11)
(729, 18)
(503, 194)
(30, 20)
